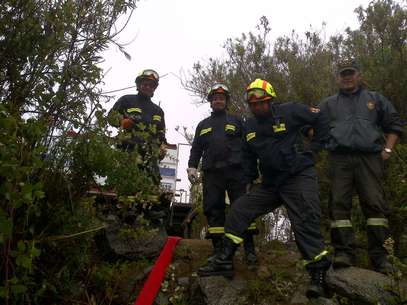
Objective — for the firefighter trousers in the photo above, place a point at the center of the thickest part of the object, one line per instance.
(300, 196)
(215, 183)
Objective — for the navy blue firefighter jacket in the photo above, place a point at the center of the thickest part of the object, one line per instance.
(274, 144)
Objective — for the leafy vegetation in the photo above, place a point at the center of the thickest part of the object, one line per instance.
(54, 142)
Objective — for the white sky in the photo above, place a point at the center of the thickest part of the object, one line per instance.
(170, 35)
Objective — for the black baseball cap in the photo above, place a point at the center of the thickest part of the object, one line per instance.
(347, 64)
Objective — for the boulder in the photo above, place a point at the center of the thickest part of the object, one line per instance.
(218, 290)
(134, 246)
(362, 286)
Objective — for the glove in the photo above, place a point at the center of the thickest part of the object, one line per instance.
(163, 151)
(248, 187)
(192, 174)
(126, 123)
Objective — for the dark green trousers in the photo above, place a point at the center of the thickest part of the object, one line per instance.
(362, 173)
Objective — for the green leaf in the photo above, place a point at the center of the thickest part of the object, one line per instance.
(18, 289)
(27, 192)
(6, 227)
(3, 292)
(35, 252)
(24, 261)
(21, 246)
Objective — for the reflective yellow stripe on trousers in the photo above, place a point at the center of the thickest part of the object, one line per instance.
(252, 226)
(377, 222)
(216, 230)
(317, 258)
(234, 238)
(342, 223)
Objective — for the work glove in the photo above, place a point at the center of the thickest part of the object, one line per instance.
(192, 174)
(126, 123)
(163, 151)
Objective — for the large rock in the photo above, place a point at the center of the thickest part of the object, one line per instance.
(220, 291)
(322, 301)
(134, 246)
(362, 287)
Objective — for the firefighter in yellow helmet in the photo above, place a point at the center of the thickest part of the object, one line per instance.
(218, 141)
(273, 147)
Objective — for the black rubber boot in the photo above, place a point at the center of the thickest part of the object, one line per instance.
(249, 250)
(377, 236)
(217, 243)
(223, 263)
(387, 268)
(343, 260)
(317, 284)
(317, 271)
(343, 241)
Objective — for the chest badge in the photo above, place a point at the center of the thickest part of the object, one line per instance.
(280, 127)
(371, 105)
(314, 109)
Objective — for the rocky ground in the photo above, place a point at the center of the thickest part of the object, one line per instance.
(279, 279)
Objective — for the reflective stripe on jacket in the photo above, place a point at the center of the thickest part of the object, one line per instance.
(218, 140)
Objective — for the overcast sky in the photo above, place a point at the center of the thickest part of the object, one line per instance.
(170, 35)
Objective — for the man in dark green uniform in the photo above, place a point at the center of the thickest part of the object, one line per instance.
(218, 140)
(143, 123)
(273, 147)
(364, 128)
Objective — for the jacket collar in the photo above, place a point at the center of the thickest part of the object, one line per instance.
(357, 92)
(218, 113)
(144, 98)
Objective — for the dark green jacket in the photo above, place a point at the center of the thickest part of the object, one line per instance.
(359, 120)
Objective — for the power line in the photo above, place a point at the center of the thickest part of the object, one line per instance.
(117, 90)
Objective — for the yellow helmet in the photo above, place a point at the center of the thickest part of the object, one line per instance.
(259, 90)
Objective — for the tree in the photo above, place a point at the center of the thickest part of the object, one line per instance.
(248, 57)
(53, 140)
(298, 69)
(380, 45)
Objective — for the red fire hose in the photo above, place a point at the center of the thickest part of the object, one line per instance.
(156, 276)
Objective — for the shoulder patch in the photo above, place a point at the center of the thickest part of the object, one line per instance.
(371, 104)
(157, 118)
(205, 131)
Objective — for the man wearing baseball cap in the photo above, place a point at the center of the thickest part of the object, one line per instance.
(364, 128)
